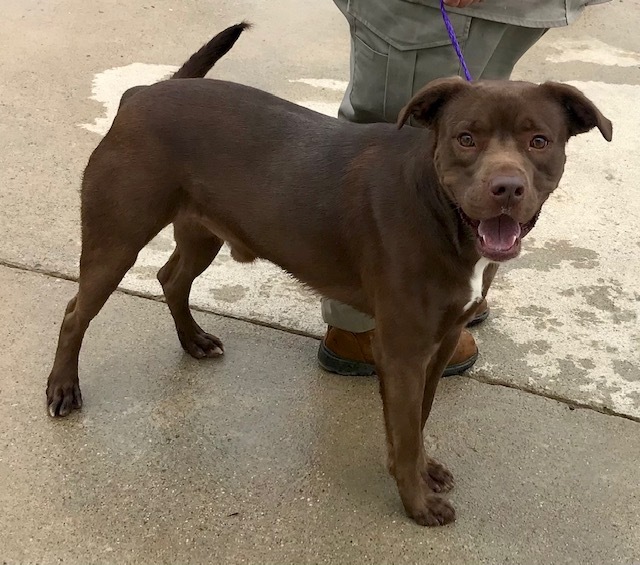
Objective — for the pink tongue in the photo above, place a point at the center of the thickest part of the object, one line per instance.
(499, 233)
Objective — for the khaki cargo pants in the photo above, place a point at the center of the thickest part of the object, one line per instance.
(398, 46)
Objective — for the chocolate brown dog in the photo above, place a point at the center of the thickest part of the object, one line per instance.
(404, 224)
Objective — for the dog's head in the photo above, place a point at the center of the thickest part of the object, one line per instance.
(500, 150)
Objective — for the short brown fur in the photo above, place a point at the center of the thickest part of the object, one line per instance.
(380, 218)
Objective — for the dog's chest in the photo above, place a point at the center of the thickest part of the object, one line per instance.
(475, 282)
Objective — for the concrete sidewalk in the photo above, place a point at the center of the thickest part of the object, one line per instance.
(260, 457)
(566, 314)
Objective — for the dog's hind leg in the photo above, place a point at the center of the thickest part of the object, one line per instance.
(117, 222)
(196, 248)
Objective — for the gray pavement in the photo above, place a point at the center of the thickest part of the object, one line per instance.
(260, 457)
(567, 311)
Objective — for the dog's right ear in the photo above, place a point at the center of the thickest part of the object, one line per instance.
(427, 103)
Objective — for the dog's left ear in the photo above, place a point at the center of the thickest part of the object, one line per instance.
(427, 103)
(582, 114)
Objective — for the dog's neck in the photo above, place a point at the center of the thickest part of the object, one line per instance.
(456, 236)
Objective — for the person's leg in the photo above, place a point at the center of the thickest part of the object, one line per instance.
(371, 90)
(346, 318)
(513, 44)
(385, 72)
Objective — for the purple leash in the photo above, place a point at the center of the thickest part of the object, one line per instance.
(454, 41)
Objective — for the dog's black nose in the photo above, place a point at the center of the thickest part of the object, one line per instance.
(507, 188)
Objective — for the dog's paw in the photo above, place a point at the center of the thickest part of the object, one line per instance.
(437, 476)
(434, 510)
(63, 396)
(200, 344)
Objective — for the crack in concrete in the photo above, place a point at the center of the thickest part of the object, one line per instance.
(479, 377)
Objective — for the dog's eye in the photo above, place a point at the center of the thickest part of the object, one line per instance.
(466, 140)
(539, 142)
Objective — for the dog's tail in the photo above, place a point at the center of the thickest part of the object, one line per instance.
(201, 62)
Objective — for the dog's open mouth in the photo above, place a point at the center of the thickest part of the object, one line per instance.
(498, 238)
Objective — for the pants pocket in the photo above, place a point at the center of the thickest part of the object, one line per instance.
(397, 47)
(370, 58)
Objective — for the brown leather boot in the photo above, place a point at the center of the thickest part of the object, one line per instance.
(349, 353)
(481, 315)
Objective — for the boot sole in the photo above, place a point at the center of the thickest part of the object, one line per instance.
(479, 319)
(348, 368)
(459, 368)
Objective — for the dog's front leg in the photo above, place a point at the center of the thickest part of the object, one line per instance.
(434, 473)
(402, 360)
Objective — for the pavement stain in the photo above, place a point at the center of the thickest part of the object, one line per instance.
(534, 310)
(586, 363)
(624, 316)
(597, 345)
(550, 338)
(287, 285)
(552, 368)
(229, 293)
(610, 176)
(604, 297)
(539, 346)
(585, 318)
(554, 253)
(625, 370)
(541, 317)
(572, 366)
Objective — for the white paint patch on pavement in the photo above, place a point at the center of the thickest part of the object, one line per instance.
(108, 87)
(324, 83)
(326, 108)
(592, 51)
(569, 306)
